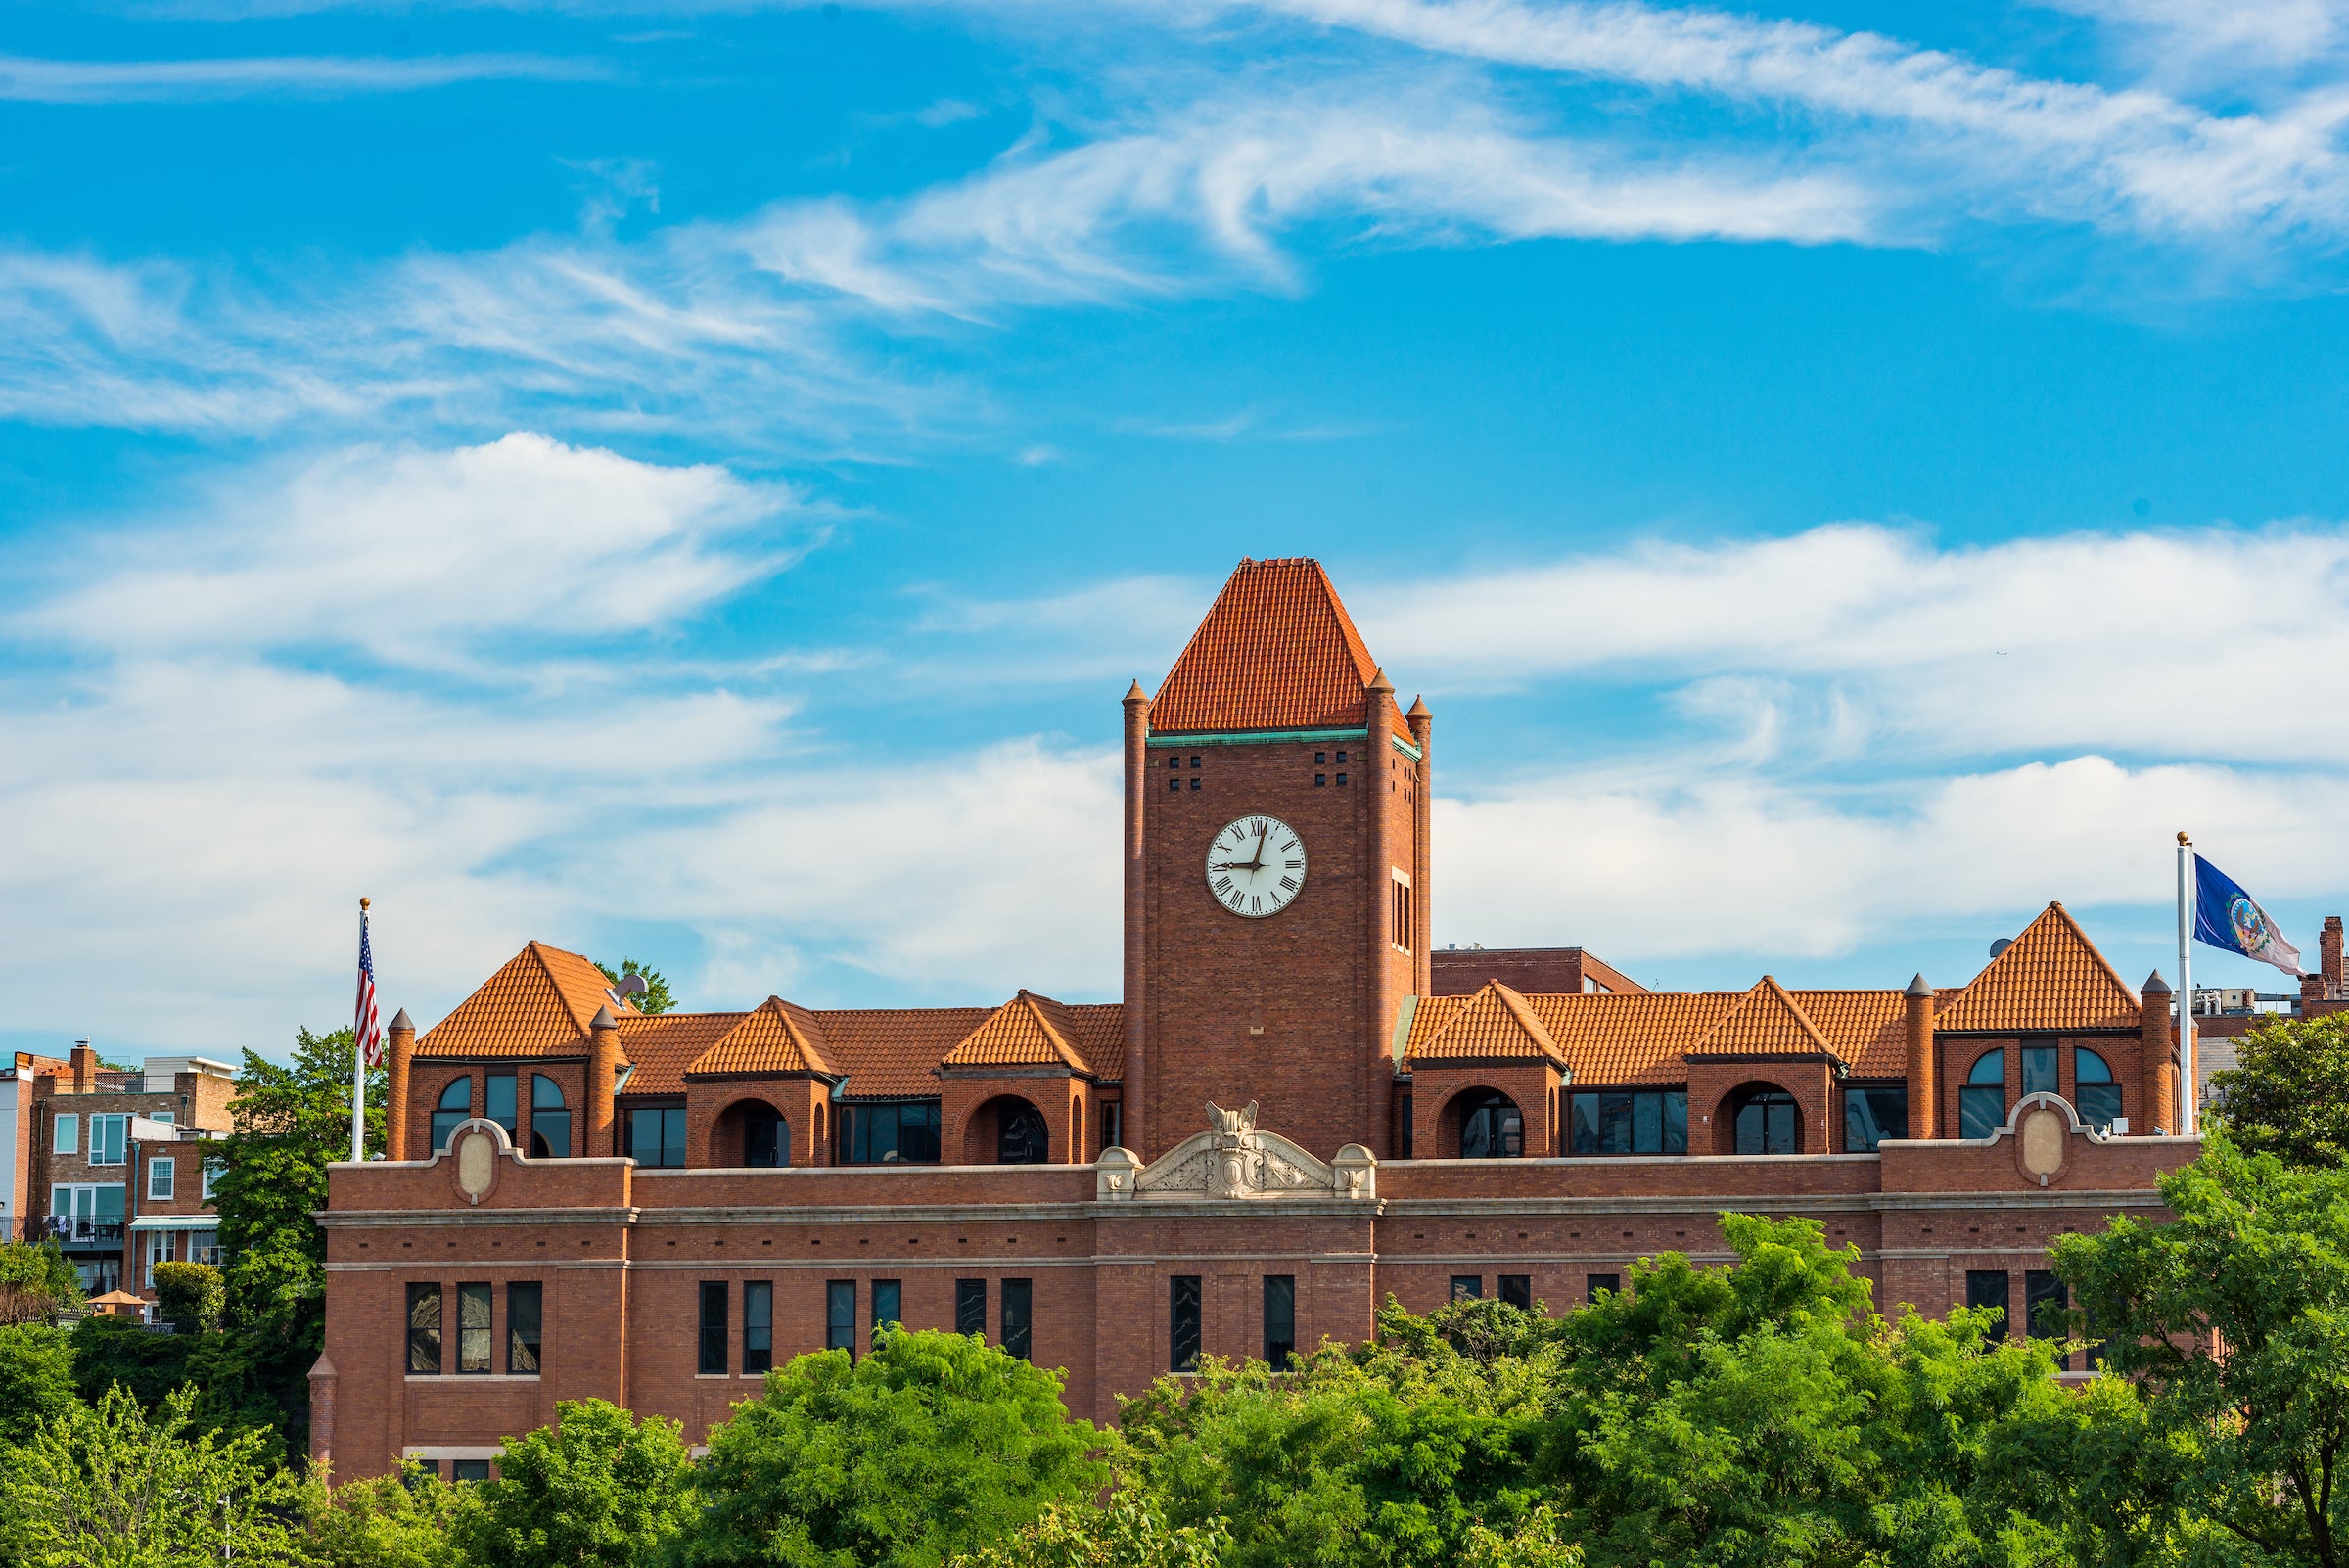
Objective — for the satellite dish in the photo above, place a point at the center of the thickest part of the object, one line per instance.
(630, 985)
(2000, 945)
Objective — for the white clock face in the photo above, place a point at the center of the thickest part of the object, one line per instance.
(1255, 866)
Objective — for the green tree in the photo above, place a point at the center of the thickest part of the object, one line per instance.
(36, 1380)
(1130, 1533)
(2232, 1320)
(37, 1282)
(2289, 1091)
(387, 1522)
(110, 1487)
(655, 997)
(598, 1486)
(189, 1295)
(930, 1446)
(288, 1123)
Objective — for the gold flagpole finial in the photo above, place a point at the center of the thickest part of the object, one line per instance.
(2181, 839)
(363, 901)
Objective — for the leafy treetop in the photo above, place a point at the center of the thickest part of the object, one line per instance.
(656, 996)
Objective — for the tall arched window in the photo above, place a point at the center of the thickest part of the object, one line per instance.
(1492, 1128)
(1766, 1121)
(1982, 1103)
(1020, 1137)
(2097, 1096)
(550, 1119)
(456, 1104)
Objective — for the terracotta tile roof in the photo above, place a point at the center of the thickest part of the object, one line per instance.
(1098, 1030)
(1494, 1022)
(1868, 1029)
(540, 1002)
(1024, 1031)
(778, 1036)
(1766, 1022)
(664, 1048)
(2050, 978)
(1277, 651)
(894, 1050)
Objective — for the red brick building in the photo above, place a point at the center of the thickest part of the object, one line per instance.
(1297, 1110)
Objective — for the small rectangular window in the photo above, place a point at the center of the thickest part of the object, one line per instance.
(1341, 759)
(68, 1133)
(889, 1296)
(106, 1137)
(211, 1178)
(839, 1315)
(424, 1331)
(1989, 1287)
(473, 1328)
(1280, 1320)
(1175, 784)
(1319, 758)
(1518, 1291)
(1194, 784)
(1341, 781)
(1593, 1284)
(470, 1469)
(713, 1359)
(2046, 1300)
(525, 1304)
(418, 1469)
(160, 1174)
(758, 1326)
(1182, 1327)
(970, 1307)
(1320, 781)
(498, 1103)
(1019, 1319)
(2039, 1070)
(1467, 1287)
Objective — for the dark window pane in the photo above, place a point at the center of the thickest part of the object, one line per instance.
(1019, 1302)
(473, 1328)
(1467, 1287)
(1647, 1124)
(970, 1307)
(1407, 1128)
(523, 1301)
(1518, 1291)
(1491, 1128)
(1615, 1124)
(2100, 1104)
(1981, 1111)
(714, 1327)
(1988, 1068)
(888, 1297)
(2044, 1302)
(418, 1469)
(2039, 1070)
(456, 1104)
(1020, 1137)
(1593, 1284)
(468, 1469)
(1766, 1123)
(550, 1134)
(498, 1102)
(1872, 1115)
(1583, 1120)
(1675, 1122)
(766, 1137)
(546, 1094)
(1280, 1320)
(1182, 1338)
(839, 1315)
(1988, 1287)
(2090, 1068)
(758, 1326)
(424, 1329)
(892, 1131)
(672, 1136)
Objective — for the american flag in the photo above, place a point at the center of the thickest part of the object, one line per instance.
(367, 1026)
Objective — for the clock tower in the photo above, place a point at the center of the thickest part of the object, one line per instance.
(1277, 873)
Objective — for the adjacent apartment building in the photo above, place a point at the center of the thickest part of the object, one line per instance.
(1295, 1109)
(111, 1162)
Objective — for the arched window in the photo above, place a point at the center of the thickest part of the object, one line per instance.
(550, 1119)
(2093, 1087)
(1492, 1128)
(1982, 1103)
(1767, 1121)
(766, 1136)
(456, 1105)
(1020, 1137)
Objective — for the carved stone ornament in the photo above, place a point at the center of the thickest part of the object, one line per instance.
(1232, 1160)
(476, 1151)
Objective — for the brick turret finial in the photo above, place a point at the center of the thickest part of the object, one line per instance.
(1135, 694)
(400, 1048)
(1925, 1097)
(2160, 1061)
(603, 1076)
(1380, 683)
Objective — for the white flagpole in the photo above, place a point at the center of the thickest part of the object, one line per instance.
(2188, 1110)
(358, 1065)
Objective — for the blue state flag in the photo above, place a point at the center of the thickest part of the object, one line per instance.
(2225, 916)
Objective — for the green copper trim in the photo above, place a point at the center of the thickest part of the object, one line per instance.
(1272, 737)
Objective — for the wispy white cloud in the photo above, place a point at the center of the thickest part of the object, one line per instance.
(110, 81)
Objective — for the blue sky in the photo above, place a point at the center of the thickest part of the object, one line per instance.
(694, 482)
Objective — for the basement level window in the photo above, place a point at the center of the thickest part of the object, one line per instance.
(1341, 781)
(1194, 784)
(1173, 762)
(1341, 759)
(1319, 758)
(1175, 784)
(1194, 762)
(1321, 779)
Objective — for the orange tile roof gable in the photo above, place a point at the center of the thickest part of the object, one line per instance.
(1028, 1031)
(1493, 1024)
(542, 999)
(778, 1036)
(1277, 651)
(2052, 977)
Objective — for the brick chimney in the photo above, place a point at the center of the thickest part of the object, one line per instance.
(2160, 1103)
(2328, 959)
(603, 1074)
(1133, 1130)
(400, 1040)
(85, 1067)
(1924, 1119)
